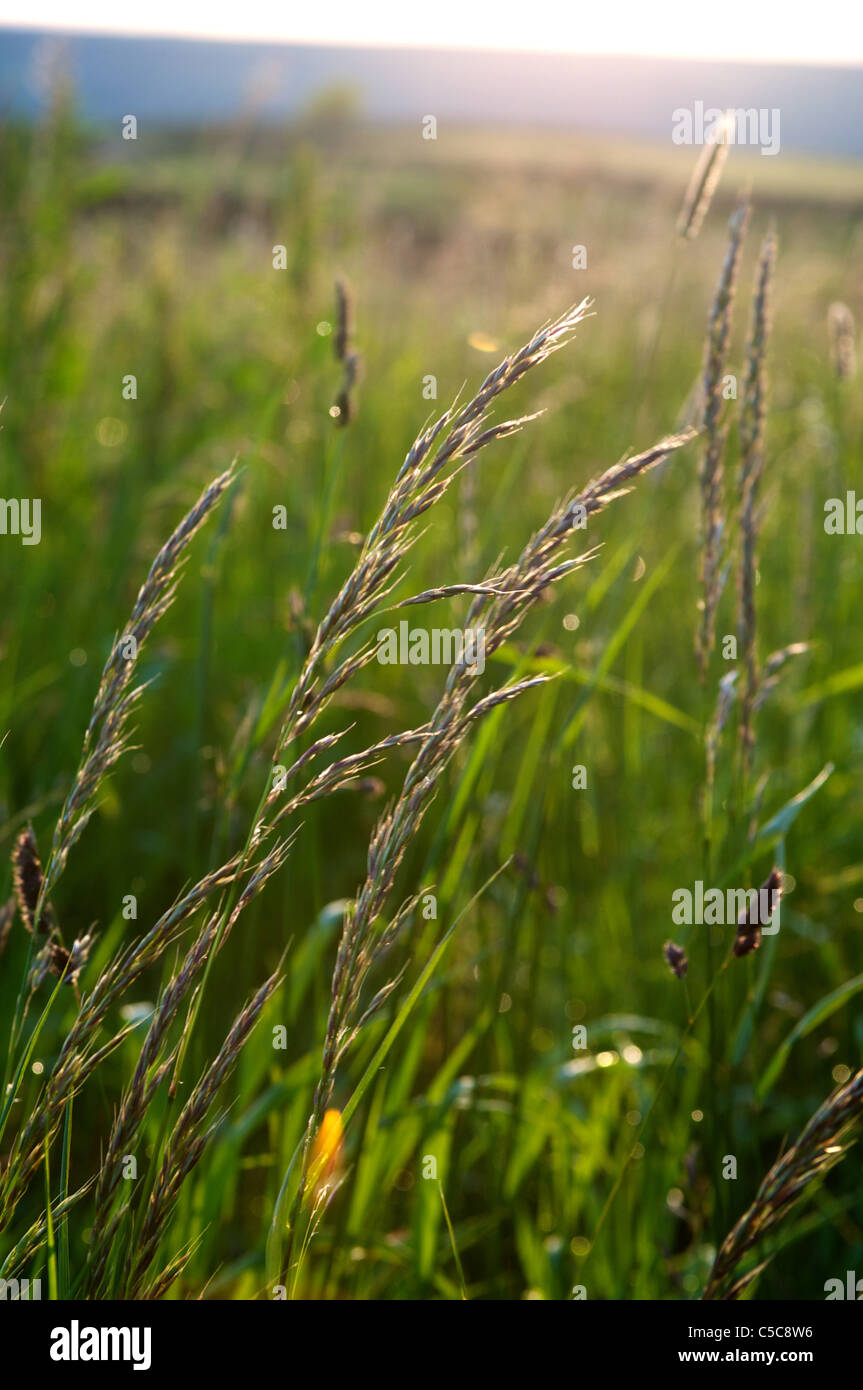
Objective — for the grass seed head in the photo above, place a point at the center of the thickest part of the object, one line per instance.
(750, 921)
(677, 959)
(28, 880)
(843, 340)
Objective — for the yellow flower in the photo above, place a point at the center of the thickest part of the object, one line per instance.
(325, 1162)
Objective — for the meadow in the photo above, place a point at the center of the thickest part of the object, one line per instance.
(485, 1147)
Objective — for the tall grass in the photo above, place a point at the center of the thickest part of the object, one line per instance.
(336, 1055)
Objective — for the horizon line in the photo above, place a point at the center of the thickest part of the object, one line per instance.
(439, 46)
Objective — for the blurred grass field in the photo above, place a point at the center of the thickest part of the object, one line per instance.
(154, 258)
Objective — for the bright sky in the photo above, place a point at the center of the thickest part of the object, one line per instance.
(793, 30)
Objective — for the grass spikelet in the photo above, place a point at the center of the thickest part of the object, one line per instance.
(153, 1066)
(423, 479)
(105, 739)
(752, 417)
(189, 1138)
(704, 181)
(820, 1146)
(342, 409)
(843, 341)
(712, 472)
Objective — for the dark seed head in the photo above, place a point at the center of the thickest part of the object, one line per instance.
(342, 335)
(27, 880)
(750, 922)
(747, 941)
(676, 958)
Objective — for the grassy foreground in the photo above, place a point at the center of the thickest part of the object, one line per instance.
(492, 1151)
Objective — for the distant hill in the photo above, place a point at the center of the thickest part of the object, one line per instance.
(199, 81)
